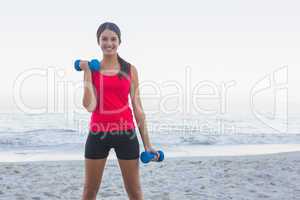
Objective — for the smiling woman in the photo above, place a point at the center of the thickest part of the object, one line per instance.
(106, 96)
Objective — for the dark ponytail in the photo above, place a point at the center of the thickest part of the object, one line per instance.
(125, 66)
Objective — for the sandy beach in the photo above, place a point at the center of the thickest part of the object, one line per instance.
(273, 176)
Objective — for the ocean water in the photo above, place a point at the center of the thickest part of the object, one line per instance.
(28, 137)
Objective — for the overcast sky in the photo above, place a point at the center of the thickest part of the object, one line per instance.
(245, 46)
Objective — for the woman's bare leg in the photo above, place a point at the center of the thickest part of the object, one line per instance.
(93, 175)
(131, 178)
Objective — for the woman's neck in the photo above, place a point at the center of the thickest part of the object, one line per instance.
(109, 62)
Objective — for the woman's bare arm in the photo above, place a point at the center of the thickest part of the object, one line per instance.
(138, 109)
(89, 100)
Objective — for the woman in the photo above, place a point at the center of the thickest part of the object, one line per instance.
(111, 126)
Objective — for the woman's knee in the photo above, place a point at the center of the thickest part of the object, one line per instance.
(135, 194)
(90, 192)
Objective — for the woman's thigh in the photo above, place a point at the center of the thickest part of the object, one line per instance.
(131, 174)
(93, 173)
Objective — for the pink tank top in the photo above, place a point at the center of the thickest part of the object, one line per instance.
(112, 112)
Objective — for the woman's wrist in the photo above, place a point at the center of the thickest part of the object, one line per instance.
(87, 70)
(148, 147)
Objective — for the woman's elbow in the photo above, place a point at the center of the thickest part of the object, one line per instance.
(90, 107)
(89, 110)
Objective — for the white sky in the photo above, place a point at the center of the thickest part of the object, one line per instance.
(220, 41)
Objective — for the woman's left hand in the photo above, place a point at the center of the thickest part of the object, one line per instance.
(152, 150)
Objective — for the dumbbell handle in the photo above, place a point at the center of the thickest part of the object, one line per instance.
(94, 65)
(149, 156)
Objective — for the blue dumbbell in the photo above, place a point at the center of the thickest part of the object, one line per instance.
(148, 156)
(94, 65)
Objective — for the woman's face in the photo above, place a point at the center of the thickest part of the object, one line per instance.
(109, 42)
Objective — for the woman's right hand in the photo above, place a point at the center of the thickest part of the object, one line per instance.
(84, 65)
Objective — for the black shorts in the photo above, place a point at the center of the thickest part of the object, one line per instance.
(125, 144)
